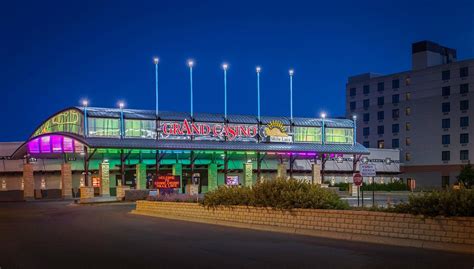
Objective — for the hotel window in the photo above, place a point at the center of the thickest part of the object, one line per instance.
(380, 115)
(408, 156)
(339, 135)
(445, 155)
(395, 128)
(352, 92)
(464, 155)
(395, 84)
(307, 134)
(140, 128)
(380, 86)
(395, 143)
(464, 72)
(464, 88)
(407, 126)
(366, 144)
(464, 105)
(407, 141)
(464, 122)
(445, 139)
(366, 117)
(107, 127)
(381, 144)
(380, 130)
(464, 138)
(446, 123)
(446, 91)
(445, 107)
(408, 96)
(366, 89)
(408, 111)
(446, 75)
(395, 113)
(366, 103)
(396, 98)
(352, 105)
(380, 101)
(366, 131)
(407, 80)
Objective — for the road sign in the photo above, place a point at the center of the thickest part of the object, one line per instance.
(367, 170)
(357, 179)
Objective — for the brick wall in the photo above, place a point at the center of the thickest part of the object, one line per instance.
(454, 234)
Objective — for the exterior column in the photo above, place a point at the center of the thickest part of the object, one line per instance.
(281, 170)
(316, 173)
(177, 170)
(66, 180)
(248, 174)
(104, 173)
(212, 176)
(28, 181)
(141, 176)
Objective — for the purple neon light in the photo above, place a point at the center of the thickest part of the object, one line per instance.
(33, 146)
(45, 144)
(68, 145)
(56, 143)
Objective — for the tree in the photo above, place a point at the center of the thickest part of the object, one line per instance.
(466, 176)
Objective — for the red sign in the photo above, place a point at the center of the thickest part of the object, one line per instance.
(167, 182)
(357, 179)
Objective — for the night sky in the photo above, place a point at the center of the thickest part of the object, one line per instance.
(53, 54)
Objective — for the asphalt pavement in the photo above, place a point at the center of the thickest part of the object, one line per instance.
(61, 235)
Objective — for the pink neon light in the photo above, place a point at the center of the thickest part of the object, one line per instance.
(68, 145)
(45, 144)
(56, 143)
(33, 146)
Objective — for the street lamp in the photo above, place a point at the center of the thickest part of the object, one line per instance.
(225, 66)
(258, 69)
(121, 106)
(354, 118)
(191, 64)
(323, 130)
(156, 60)
(85, 103)
(291, 72)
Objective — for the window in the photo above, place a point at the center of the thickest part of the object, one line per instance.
(339, 135)
(352, 105)
(366, 144)
(407, 141)
(396, 98)
(464, 122)
(68, 121)
(380, 86)
(395, 113)
(380, 144)
(395, 128)
(464, 105)
(408, 96)
(407, 126)
(395, 143)
(366, 103)
(446, 123)
(464, 72)
(407, 80)
(107, 127)
(464, 88)
(408, 111)
(464, 155)
(446, 91)
(380, 115)
(380, 130)
(395, 84)
(366, 131)
(307, 134)
(366, 89)
(444, 182)
(446, 75)
(445, 139)
(140, 128)
(408, 156)
(352, 92)
(366, 117)
(445, 107)
(445, 155)
(464, 138)
(380, 101)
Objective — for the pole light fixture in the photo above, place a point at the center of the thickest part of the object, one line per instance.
(291, 72)
(191, 64)
(258, 69)
(156, 61)
(225, 66)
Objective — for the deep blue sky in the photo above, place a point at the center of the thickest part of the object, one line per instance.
(52, 54)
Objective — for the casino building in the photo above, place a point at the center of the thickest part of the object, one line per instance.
(91, 151)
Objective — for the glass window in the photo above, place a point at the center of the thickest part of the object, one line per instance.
(380, 86)
(107, 127)
(380, 115)
(352, 92)
(339, 135)
(69, 121)
(446, 123)
(446, 91)
(366, 117)
(395, 128)
(380, 144)
(407, 141)
(464, 72)
(464, 122)
(464, 155)
(366, 103)
(446, 75)
(464, 138)
(353, 105)
(380, 101)
(408, 156)
(407, 96)
(445, 107)
(445, 155)
(366, 89)
(396, 98)
(407, 126)
(366, 131)
(307, 134)
(464, 88)
(464, 105)
(395, 143)
(395, 84)
(140, 128)
(366, 144)
(395, 113)
(408, 111)
(380, 130)
(445, 139)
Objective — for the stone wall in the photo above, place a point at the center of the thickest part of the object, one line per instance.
(452, 234)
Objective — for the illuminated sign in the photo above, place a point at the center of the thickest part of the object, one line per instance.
(67, 121)
(167, 182)
(275, 131)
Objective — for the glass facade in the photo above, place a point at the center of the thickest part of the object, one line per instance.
(308, 134)
(103, 127)
(69, 121)
(140, 128)
(339, 135)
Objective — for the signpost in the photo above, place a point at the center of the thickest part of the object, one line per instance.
(368, 170)
(357, 180)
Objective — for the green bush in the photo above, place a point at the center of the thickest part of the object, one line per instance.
(279, 194)
(439, 203)
(391, 186)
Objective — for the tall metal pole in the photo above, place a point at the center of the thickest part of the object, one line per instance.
(224, 66)
(122, 129)
(355, 129)
(291, 94)
(323, 130)
(156, 60)
(190, 64)
(258, 91)
(86, 131)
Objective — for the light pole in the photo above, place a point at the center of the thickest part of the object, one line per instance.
(354, 118)
(190, 64)
(225, 66)
(258, 69)
(122, 133)
(323, 129)
(156, 60)
(85, 103)
(291, 72)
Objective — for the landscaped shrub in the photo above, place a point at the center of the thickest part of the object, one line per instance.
(134, 195)
(391, 186)
(279, 193)
(176, 197)
(439, 203)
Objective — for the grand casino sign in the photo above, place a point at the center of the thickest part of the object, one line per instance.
(275, 131)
